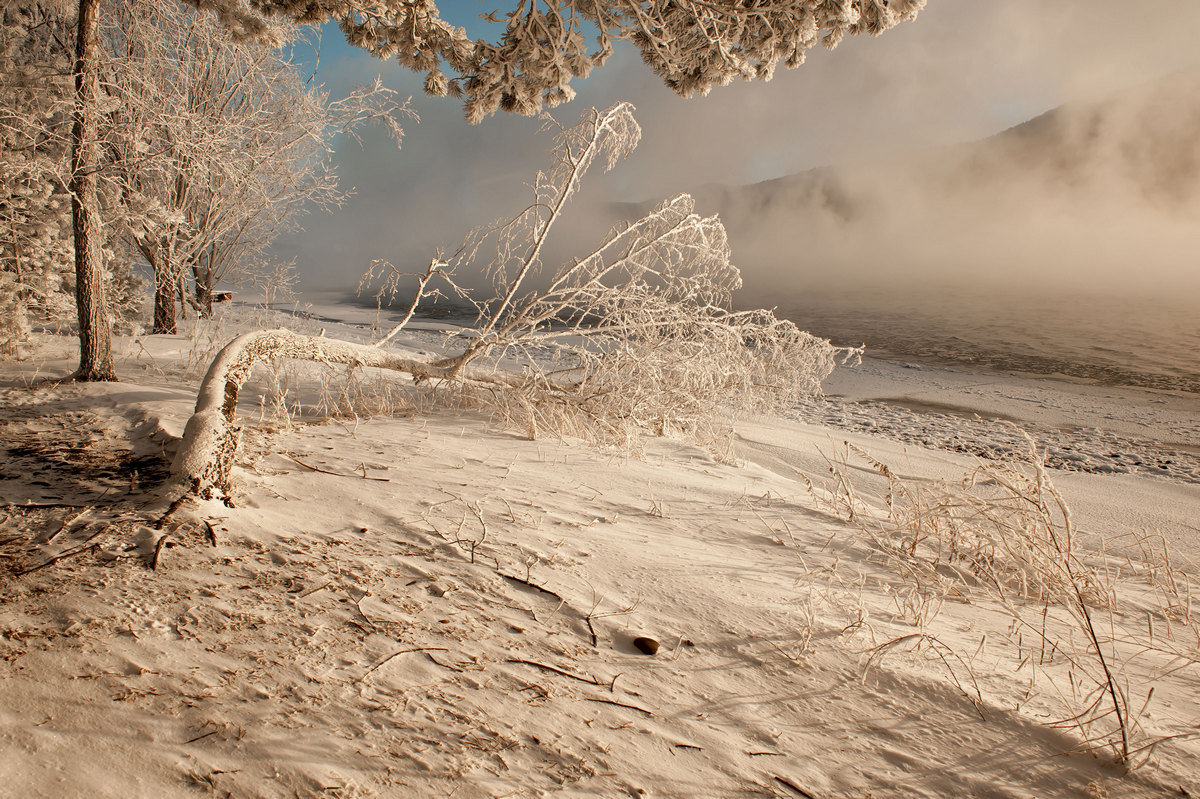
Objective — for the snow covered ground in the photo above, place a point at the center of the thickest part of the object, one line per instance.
(424, 605)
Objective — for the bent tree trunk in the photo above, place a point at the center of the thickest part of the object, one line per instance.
(211, 438)
(95, 324)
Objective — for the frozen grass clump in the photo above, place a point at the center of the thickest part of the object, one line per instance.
(1003, 537)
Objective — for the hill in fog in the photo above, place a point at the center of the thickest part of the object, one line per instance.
(1103, 196)
(1144, 143)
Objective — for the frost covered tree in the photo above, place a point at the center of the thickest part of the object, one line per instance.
(220, 144)
(35, 218)
(91, 294)
(206, 147)
(636, 336)
(692, 45)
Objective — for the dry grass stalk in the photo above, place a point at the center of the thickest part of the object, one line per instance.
(946, 655)
(1005, 533)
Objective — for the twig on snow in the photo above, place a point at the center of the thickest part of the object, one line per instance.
(444, 665)
(620, 704)
(176, 505)
(556, 670)
(68, 523)
(158, 548)
(394, 655)
(311, 468)
(531, 584)
(789, 784)
(84, 547)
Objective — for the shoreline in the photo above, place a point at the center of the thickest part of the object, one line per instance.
(1084, 426)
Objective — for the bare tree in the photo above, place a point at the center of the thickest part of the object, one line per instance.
(221, 143)
(636, 336)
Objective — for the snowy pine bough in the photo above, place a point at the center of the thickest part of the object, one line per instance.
(636, 336)
(692, 45)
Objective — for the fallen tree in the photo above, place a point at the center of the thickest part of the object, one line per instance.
(637, 336)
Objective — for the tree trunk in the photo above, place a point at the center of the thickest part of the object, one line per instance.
(181, 294)
(164, 310)
(95, 323)
(16, 249)
(166, 286)
(202, 270)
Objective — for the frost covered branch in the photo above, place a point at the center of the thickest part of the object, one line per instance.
(692, 45)
(211, 436)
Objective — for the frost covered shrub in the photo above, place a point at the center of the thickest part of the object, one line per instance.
(35, 221)
(14, 318)
(1003, 537)
(43, 298)
(36, 255)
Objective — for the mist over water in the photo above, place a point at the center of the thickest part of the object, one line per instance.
(1067, 245)
(1149, 343)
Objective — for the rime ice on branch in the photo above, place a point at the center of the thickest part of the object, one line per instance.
(691, 45)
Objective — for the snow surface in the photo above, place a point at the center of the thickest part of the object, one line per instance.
(426, 606)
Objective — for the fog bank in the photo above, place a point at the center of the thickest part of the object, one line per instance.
(1090, 198)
